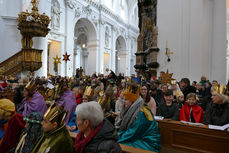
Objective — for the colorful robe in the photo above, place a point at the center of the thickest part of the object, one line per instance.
(58, 141)
(143, 132)
(68, 100)
(12, 131)
(188, 113)
(36, 104)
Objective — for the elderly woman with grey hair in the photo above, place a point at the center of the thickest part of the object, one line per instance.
(217, 111)
(96, 134)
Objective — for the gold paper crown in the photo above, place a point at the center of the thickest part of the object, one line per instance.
(179, 93)
(220, 89)
(55, 113)
(31, 85)
(104, 102)
(132, 92)
(88, 91)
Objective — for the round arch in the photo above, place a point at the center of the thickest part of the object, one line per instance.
(85, 46)
(120, 59)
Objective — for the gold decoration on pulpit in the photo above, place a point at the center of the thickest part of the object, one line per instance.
(66, 57)
(32, 25)
(57, 60)
(166, 78)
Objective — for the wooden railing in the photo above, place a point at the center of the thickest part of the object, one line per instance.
(24, 60)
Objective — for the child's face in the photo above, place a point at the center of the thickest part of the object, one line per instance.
(169, 100)
(181, 98)
(191, 101)
(48, 126)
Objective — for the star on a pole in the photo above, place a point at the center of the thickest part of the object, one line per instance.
(166, 78)
(66, 57)
(56, 60)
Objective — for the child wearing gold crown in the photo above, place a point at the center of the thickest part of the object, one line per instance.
(33, 101)
(136, 117)
(56, 138)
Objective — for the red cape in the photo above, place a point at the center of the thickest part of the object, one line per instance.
(12, 132)
(197, 112)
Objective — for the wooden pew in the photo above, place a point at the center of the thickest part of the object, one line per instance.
(125, 148)
(180, 138)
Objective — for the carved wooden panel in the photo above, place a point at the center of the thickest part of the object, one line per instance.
(176, 136)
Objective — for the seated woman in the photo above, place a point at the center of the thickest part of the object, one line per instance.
(137, 126)
(217, 111)
(11, 125)
(31, 134)
(66, 98)
(169, 109)
(95, 133)
(145, 94)
(33, 101)
(55, 138)
(191, 112)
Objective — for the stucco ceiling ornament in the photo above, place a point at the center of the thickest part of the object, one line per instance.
(87, 10)
(70, 3)
(78, 12)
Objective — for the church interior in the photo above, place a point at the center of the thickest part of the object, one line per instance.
(96, 76)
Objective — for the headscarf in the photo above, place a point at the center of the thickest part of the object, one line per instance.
(31, 135)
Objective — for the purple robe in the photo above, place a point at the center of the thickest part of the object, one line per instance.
(36, 104)
(68, 100)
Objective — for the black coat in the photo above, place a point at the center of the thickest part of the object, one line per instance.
(105, 141)
(169, 111)
(217, 114)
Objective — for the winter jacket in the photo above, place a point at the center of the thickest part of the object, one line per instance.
(105, 141)
(217, 114)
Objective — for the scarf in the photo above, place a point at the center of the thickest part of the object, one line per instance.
(81, 142)
(129, 115)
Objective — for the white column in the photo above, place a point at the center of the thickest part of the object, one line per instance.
(74, 60)
(113, 52)
(42, 44)
(218, 65)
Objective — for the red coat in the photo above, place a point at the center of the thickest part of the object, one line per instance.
(78, 99)
(12, 132)
(197, 112)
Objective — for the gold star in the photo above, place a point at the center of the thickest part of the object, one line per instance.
(166, 77)
(56, 60)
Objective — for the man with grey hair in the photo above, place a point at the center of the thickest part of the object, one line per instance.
(96, 134)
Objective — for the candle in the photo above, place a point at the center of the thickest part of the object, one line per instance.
(166, 43)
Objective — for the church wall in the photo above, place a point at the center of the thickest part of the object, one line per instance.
(195, 36)
(70, 12)
(10, 39)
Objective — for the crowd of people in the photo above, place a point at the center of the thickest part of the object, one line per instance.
(104, 111)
